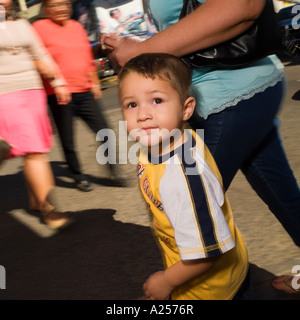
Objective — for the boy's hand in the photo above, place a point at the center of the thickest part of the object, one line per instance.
(160, 284)
(157, 287)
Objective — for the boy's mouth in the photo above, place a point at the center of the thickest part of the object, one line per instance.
(148, 129)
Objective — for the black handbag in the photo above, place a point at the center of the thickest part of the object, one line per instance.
(260, 40)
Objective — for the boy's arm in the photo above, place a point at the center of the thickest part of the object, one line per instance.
(160, 284)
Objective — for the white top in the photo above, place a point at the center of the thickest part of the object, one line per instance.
(19, 47)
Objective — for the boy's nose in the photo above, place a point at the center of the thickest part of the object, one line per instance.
(144, 113)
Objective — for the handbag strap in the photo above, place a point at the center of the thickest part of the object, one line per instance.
(188, 7)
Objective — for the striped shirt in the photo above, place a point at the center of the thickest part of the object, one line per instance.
(192, 218)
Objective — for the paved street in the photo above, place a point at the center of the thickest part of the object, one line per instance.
(109, 250)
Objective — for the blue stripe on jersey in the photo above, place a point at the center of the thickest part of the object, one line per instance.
(202, 207)
(197, 190)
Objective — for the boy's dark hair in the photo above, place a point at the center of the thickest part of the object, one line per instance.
(163, 66)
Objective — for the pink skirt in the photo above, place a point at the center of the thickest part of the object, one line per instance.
(24, 122)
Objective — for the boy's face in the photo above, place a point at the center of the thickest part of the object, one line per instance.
(152, 109)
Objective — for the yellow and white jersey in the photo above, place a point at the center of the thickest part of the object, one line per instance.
(192, 218)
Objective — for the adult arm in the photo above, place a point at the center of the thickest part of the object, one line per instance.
(212, 23)
(96, 86)
(43, 60)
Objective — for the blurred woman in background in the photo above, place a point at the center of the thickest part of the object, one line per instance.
(24, 121)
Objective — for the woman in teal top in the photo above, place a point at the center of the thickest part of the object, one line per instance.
(236, 108)
(215, 89)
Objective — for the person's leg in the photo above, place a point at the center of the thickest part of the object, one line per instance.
(40, 184)
(89, 110)
(234, 133)
(241, 134)
(63, 118)
(38, 176)
(268, 172)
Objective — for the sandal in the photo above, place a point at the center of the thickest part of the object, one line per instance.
(52, 218)
(4, 149)
(285, 283)
(56, 220)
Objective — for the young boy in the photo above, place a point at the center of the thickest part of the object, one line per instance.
(204, 253)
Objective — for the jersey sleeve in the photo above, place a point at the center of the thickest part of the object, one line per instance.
(193, 205)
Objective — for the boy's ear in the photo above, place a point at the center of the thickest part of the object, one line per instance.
(188, 109)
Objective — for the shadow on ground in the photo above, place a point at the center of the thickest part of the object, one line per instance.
(95, 258)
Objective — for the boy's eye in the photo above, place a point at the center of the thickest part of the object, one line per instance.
(157, 101)
(131, 105)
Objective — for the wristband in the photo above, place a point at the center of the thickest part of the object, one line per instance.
(57, 83)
